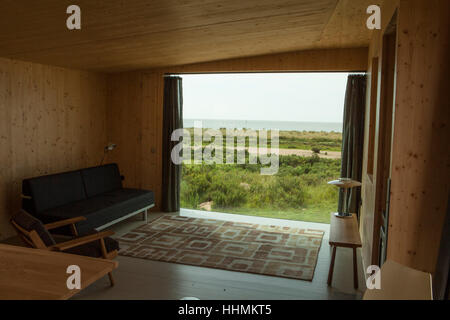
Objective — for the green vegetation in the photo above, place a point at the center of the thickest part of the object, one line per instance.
(305, 140)
(309, 140)
(299, 191)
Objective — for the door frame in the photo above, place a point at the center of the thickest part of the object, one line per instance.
(385, 122)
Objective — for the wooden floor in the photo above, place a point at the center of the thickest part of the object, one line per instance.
(146, 279)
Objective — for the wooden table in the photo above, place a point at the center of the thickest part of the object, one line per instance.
(27, 273)
(399, 282)
(344, 233)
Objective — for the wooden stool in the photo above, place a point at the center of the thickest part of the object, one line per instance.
(344, 233)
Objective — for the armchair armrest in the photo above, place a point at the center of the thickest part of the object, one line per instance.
(65, 222)
(82, 240)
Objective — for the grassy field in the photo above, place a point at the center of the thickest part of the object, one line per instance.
(299, 191)
(320, 214)
(305, 140)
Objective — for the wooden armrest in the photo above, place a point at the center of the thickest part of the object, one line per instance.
(64, 222)
(82, 240)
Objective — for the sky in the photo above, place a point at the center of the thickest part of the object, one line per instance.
(304, 97)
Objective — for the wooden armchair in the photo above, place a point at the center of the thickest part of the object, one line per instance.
(36, 234)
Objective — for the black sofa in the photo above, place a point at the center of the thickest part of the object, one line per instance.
(95, 193)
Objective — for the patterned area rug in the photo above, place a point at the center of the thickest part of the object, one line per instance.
(263, 249)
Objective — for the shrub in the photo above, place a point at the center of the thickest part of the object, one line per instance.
(300, 182)
(226, 192)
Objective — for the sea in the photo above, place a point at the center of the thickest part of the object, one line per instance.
(264, 124)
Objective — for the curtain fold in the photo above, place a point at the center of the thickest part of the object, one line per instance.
(353, 139)
(172, 120)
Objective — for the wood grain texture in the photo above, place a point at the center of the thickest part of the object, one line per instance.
(135, 125)
(129, 35)
(343, 59)
(51, 120)
(401, 283)
(348, 20)
(344, 232)
(420, 153)
(34, 274)
(372, 115)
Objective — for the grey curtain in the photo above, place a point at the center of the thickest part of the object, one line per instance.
(172, 119)
(353, 139)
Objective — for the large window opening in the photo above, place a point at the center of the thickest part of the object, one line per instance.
(306, 108)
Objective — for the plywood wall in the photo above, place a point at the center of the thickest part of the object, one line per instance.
(51, 119)
(135, 105)
(420, 152)
(135, 125)
(345, 59)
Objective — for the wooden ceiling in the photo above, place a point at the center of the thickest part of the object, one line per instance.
(119, 35)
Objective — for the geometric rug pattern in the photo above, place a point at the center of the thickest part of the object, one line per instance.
(245, 247)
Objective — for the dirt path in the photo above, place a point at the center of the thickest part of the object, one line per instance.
(300, 152)
(297, 152)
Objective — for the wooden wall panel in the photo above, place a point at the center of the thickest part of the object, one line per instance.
(124, 127)
(345, 59)
(372, 115)
(135, 125)
(6, 171)
(420, 153)
(51, 120)
(151, 148)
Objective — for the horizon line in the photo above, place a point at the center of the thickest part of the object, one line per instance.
(261, 120)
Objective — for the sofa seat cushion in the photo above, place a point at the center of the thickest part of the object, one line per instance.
(101, 209)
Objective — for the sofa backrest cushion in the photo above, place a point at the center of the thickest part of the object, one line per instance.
(30, 223)
(48, 192)
(98, 180)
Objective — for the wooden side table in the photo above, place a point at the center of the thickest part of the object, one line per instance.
(344, 233)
